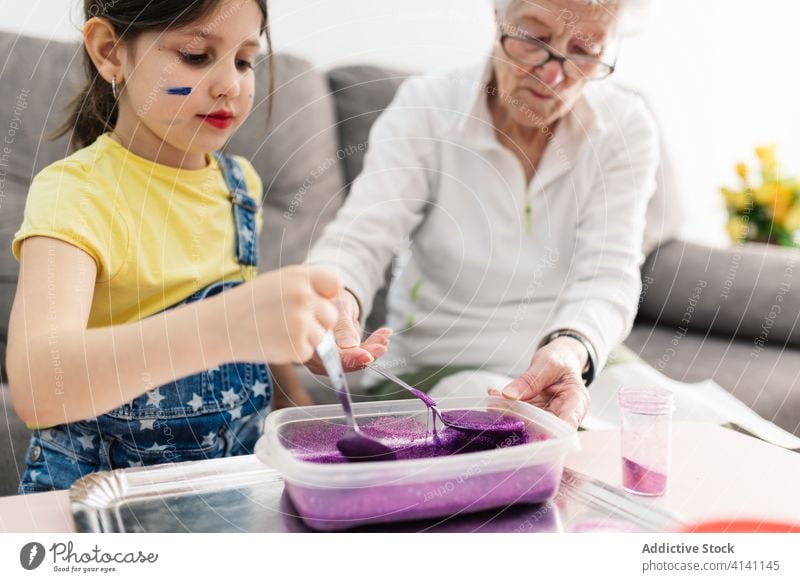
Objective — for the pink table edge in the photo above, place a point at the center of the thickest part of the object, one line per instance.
(716, 474)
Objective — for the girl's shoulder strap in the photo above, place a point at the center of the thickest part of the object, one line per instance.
(244, 210)
(234, 178)
(232, 171)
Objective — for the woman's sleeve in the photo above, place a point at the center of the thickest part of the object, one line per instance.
(63, 203)
(389, 198)
(601, 296)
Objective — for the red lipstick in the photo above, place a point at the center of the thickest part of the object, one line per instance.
(221, 119)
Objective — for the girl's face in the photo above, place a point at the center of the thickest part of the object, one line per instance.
(192, 88)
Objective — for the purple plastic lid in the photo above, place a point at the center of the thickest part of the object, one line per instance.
(646, 400)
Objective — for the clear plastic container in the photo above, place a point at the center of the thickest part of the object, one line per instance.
(646, 439)
(344, 495)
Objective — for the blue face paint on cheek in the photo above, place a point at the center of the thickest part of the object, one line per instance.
(178, 90)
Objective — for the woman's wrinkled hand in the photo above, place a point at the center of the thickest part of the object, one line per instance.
(553, 381)
(354, 353)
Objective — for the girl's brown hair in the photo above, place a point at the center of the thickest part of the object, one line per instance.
(93, 111)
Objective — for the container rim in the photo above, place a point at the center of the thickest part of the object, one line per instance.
(646, 399)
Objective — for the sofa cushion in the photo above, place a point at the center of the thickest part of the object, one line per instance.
(296, 157)
(745, 292)
(37, 82)
(39, 79)
(361, 93)
(766, 381)
(14, 439)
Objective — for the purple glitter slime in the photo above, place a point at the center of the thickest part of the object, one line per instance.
(476, 488)
(468, 420)
(429, 402)
(484, 422)
(409, 438)
(331, 509)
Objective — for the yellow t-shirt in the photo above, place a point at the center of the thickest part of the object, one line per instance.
(157, 233)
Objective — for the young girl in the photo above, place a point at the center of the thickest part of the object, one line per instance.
(123, 349)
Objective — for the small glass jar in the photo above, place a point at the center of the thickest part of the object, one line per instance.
(646, 439)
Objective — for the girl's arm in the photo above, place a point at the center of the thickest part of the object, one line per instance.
(288, 389)
(60, 372)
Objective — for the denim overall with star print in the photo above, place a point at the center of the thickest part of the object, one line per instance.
(216, 413)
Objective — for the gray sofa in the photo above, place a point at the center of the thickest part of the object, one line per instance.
(309, 155)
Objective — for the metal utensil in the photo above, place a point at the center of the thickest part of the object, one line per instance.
(354, 445)
(466, 420)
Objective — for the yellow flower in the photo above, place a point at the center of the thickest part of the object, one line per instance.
(736, 199)
(766, 154)
(765, 194)
(741, 170)
(782, 203)
(737, 228)
(769, 163)
(793, 218)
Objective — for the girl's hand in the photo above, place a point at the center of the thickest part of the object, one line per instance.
(278, 317)
(355, 354)
(553, 381)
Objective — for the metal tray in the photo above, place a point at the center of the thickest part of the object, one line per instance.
(240, 494)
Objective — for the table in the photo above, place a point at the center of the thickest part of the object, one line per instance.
(716, 473)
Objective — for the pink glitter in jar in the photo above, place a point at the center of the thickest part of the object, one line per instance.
(645, 434)
(641, 479)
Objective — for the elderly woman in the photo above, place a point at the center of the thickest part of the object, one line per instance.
(514, 193)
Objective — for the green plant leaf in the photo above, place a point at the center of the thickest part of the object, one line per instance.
(414, 293)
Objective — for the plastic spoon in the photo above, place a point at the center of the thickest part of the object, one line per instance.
(466, 420)
(354, 445)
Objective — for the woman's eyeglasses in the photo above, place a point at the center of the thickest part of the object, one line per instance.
(533, 52)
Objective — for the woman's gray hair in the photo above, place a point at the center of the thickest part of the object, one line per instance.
(632, 12)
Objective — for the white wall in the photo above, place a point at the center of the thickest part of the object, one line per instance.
(722, 74)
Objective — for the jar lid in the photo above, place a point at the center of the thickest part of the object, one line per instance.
(646, 400)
